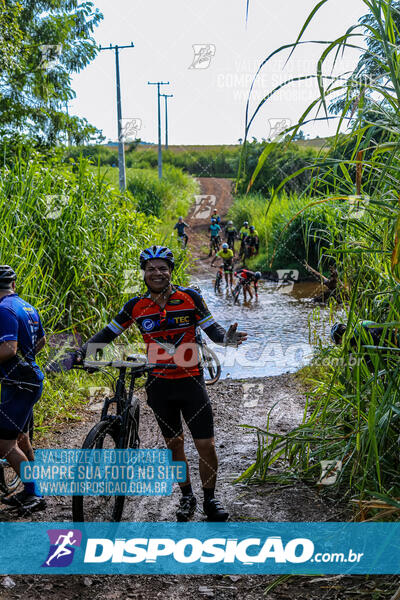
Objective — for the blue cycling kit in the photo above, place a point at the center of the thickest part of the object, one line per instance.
(215, 229)
(19, 322)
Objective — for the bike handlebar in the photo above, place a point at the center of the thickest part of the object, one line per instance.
(122, 364)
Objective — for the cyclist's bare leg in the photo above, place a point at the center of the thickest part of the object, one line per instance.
(208, 461)
(177, 445)
(25, 445)
(226, 279)
(231, 279)
(10, 450)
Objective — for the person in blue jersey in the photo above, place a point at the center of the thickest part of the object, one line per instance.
(21, 337)
(214, 230)
(180, 226)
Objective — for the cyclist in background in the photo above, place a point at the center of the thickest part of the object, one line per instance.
(216, 216)
(180, 226)
(231, 235)
(252, 240)
(21, 337)
(227, 256)
(367, 333)
(243, 233)
(214, 230)
(248, 277)
(167, 317)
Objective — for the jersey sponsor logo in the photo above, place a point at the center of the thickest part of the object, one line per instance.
(175, 301)
(148, 324)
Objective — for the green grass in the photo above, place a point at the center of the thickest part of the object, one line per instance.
(74, 242)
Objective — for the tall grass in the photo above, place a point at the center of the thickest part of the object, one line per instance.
(353, 411)
(74, 242)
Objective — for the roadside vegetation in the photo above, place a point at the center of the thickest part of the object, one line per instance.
(353, 416)
(74, 241)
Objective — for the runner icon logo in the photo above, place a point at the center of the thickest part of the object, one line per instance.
(62, 547)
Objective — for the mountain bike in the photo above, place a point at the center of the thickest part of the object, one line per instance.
(218, 280)
(215, 244)
(114, 431)
(238, 288)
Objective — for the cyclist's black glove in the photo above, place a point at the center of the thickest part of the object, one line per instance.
(65, 362)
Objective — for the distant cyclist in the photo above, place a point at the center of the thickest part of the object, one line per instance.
(243, 233)
(367, 333)
(248, 277)
(180, 226)
(216, 216)
(230, 235)
(21, 337)
(252, 241)
(214, 230)
(226, 255)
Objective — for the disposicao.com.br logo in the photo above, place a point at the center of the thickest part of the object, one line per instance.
(213, 550)
(62, 547)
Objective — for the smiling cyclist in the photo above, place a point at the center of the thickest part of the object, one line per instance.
(167, 317)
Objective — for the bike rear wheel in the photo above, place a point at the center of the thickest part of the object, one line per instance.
(103, 435)
(211, 365)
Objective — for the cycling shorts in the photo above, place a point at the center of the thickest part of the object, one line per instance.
(228, 268)
(16, 410)
(187, 397)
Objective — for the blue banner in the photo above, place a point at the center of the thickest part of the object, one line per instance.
(200, 548)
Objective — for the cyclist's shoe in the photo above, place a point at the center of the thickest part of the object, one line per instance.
(214, 510)
(24, 502)
(187, 506)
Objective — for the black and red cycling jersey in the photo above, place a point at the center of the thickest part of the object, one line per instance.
(247, 275)
(169, 333)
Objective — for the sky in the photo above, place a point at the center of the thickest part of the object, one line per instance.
(209, 56)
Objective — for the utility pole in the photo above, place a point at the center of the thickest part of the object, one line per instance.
(166, 96)
(158, 83)
(121, 146)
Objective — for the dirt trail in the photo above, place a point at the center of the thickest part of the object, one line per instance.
(235, 403)
(215, 193)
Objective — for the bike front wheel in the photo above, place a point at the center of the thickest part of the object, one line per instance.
(211, 366)
(104, 435)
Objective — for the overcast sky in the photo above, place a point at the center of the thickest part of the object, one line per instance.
(209, 103)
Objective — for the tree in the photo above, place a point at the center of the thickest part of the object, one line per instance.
(372, 65)
(47, 41)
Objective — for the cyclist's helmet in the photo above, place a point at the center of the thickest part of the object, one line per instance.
(230, 222)
(337, 332)
(180, 218)
(157, 252)
(225, 246)
(7, 276)
(215, 210)
(257, 275)
(251, 227)
(212, 221)
(245, 224)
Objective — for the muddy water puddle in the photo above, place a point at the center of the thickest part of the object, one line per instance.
(280, 339)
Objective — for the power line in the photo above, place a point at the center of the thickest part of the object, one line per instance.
(121, 146)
